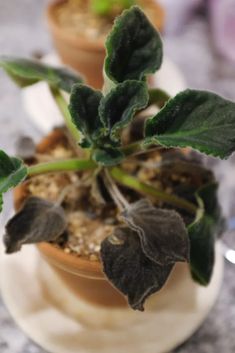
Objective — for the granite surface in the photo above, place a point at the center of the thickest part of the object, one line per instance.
(22, 32)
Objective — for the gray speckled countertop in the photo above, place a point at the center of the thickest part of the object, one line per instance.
(23, 31)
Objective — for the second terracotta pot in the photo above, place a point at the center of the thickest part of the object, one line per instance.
(83, 54)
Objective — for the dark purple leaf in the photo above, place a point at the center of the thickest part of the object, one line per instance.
(39, 220)
(163, 235)
(128, 268)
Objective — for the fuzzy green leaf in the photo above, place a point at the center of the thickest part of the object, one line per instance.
(83, 107)
(134, 47)
(27, 72)
(118, 107)
(197, 119)
(12, 173)
(203, 233)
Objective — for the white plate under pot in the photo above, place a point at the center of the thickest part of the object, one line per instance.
(60, 323)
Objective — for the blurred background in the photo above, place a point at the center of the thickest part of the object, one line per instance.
(200, 39)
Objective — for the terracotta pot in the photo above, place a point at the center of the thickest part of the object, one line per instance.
(85, 278)
(83, 54)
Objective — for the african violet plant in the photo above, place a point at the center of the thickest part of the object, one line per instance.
(140, 254)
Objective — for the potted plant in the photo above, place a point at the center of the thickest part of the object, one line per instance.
(116, 200)
(79, 29)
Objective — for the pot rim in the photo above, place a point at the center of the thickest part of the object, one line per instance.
(71, 261)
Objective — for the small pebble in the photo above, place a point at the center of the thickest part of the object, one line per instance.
(93, 257)
(97, 248)
(110, 221)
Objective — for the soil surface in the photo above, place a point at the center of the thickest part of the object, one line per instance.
(90, 210)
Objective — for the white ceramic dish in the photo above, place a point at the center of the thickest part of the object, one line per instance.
(52, 317)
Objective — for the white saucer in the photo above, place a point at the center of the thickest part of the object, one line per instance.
(56, 320)
(44, 114)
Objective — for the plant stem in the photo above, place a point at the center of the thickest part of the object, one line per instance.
(63, 107)
(136, 148)
(127, 180)
(61, 166)
(132, 148)
(115, 193)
